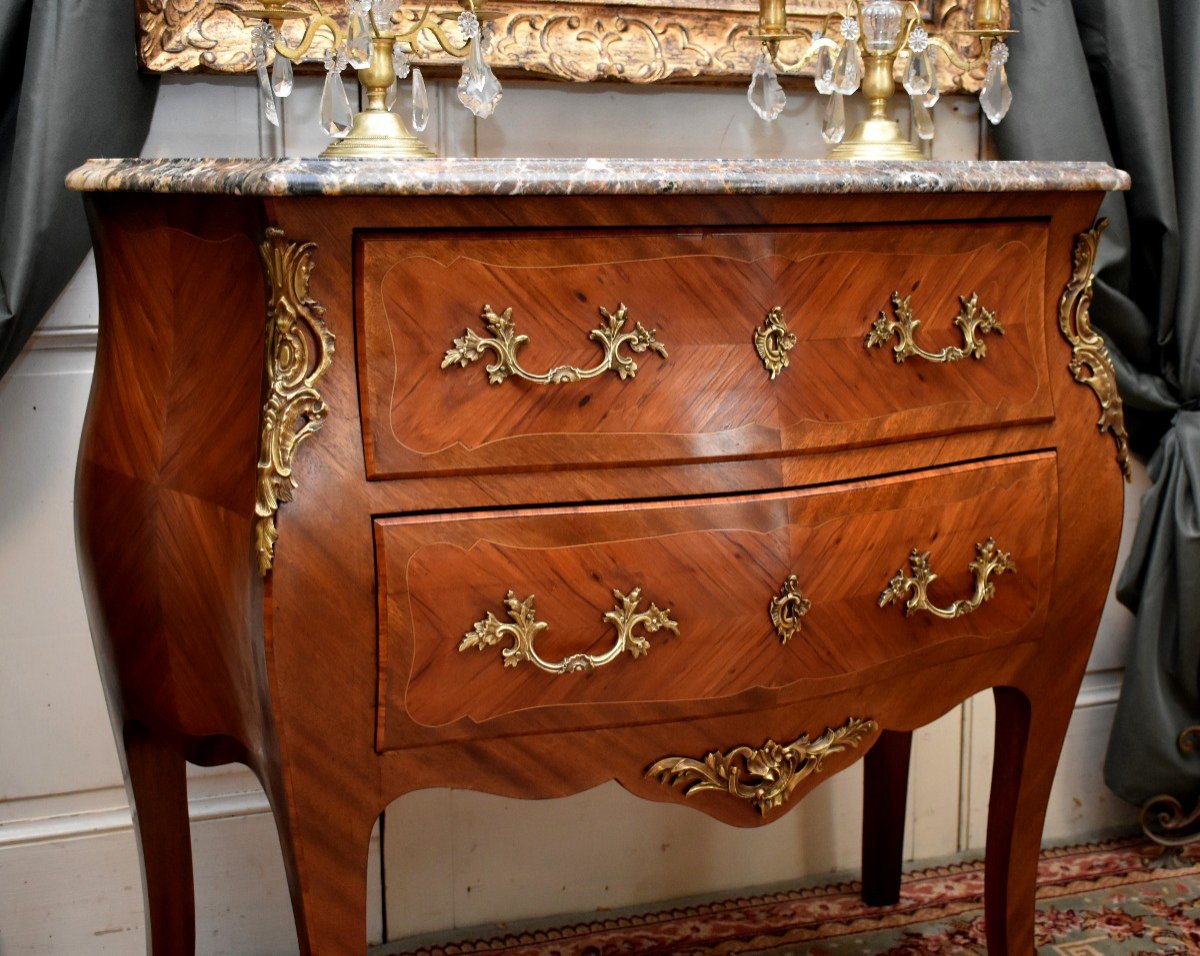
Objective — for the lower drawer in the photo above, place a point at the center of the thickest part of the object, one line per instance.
(487, 613)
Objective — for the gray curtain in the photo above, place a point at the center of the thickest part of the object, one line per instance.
(1119, 80)
(69, 90)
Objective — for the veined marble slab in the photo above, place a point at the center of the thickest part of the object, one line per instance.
(550, 177)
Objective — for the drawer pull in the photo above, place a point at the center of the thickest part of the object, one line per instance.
(525, 627)
(764, 776)
(988, 560)
(787, 608)
(773, 340)
(973, 320)
(505, 343)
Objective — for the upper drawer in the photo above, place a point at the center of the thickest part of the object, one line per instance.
(486, 614)
(701, 389)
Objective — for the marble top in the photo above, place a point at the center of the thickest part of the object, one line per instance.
(549, 177)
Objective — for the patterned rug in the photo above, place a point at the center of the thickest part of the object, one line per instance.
(1094, 900)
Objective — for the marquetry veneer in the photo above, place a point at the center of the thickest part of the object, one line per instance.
(367, 542)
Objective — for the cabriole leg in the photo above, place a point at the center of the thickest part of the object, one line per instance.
(157, 786)
(1021, 779)
(885, 793)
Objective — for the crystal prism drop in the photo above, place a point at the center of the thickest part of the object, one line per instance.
(918, 78)
(385, 12)
(261, 38)
(848, 71)
(824, 70)
(281, 76)
(390, 101)
(996, 97)
(358, 51)
(266, 95)
(358, 46)
(765, 94)
(336, 115)
(922, 118)
(420, 101)
(934, 94)
(834, 127)
(478, 89)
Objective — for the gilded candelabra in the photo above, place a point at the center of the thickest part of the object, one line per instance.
(371, 44)
(874, 35)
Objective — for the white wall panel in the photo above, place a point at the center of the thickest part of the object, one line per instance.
(54, 731)
(457, 858)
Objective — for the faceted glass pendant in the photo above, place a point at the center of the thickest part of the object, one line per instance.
(848, 70)
(922, 118)
(358, 47)
(281, 76)
(996, 97)
(834, 127)
(267, 97)
(420, 101)
(918, 77)
(824, 68)
(261, 38)
(881, 24)
(765, 94)
(390, 100)
(336, 115)
(934, 94)
(385, 12)
(478, 89)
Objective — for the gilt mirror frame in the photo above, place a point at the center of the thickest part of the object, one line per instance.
(638, 41)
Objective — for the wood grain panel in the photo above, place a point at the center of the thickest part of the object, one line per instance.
(716, 564)
(704, 292)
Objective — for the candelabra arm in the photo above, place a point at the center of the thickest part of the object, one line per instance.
(963, 63)
(425, 23)
(314, 25)
(809, 55)
(909, 25)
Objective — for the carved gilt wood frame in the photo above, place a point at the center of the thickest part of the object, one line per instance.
(639, 41)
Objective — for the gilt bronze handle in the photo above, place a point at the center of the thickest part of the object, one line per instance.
(989, 560)
(525, 627)
(973, 320)
(505, 342)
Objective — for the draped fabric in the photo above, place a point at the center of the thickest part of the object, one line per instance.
(69, 90)
(1119, 81)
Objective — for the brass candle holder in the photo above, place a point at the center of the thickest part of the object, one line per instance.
(381, 55)
(874, 35)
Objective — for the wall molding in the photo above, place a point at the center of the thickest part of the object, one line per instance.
(56, 818)
(1100, 689)
(68, 337)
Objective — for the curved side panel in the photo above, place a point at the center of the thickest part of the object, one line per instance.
(166, 472)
